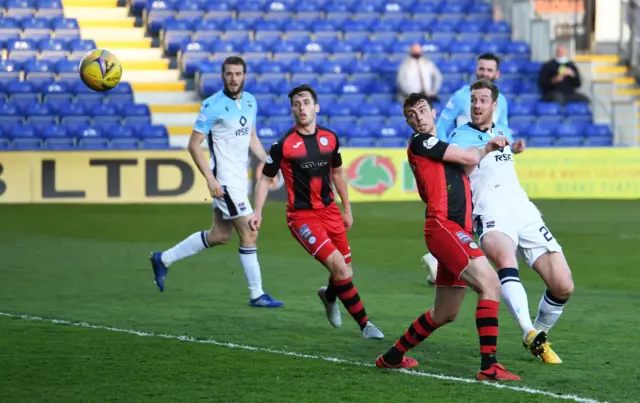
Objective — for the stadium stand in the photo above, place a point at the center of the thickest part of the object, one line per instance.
(348, 49)
(43, 103)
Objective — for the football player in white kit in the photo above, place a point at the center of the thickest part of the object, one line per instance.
(227, 121)
(508, 223)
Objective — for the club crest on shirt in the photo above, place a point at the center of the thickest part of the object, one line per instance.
(324, 141)
(464, 238)
(428, 144)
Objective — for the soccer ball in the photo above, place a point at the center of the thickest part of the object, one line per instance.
(430, 263)
(100, 70)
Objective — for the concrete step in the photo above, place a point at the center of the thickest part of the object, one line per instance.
(97, 13)
(145, 65)
(179, 141)
(167, 98)
(166, 86)
(137, 54)
(119, 24)
(113, 34)
(179, 130)
(175, 119)
(175, 108)
(144, 43)
(142, 76)
(90, 3)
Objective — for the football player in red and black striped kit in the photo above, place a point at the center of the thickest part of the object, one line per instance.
(441, 172)
(309, 157)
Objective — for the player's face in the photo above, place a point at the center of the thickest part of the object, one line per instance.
(482, 107)
(233, 77)
(420, 117)
(304, 109)
(487, 70)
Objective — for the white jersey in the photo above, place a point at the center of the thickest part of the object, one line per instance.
(494, 183)
(227, 123)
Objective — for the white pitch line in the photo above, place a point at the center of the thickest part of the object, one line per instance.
(299, 355)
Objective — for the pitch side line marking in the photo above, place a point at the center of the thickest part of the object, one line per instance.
(299, 355)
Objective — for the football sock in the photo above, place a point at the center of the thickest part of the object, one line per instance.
(420, 329)
(487, 324)
(515, 297)
(331, 294)
(348, 294)
(251, 267)
(549, 311)
(193, 244)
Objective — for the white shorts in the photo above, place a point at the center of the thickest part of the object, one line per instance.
(525, 226)
(235, 203)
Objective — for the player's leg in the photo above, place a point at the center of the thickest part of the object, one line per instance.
(446, 307)
(218, 234)
(484, 281)
(544, 254)
(341, 287)
(309, 231)
(499, 243)
(248, 252)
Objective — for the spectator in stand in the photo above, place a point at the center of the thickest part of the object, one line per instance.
(418, 74)
(559, 79)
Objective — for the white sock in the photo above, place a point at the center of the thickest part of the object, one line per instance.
(193, 244)
(251, 267)
(515, 297)
(549, 311)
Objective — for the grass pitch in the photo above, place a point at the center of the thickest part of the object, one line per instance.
(89, 263)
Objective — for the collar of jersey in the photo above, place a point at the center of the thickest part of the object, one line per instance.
(315, 132)
(224, 91)
(493, 125)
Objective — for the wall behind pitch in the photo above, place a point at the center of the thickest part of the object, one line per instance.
(373, 175)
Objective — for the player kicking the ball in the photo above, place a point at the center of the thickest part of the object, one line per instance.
(227, 120)
(440, 171)
(508, 223)
(309, 157)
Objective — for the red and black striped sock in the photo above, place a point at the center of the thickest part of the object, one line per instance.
(348, 294)
(419, 330)
(487, 324)
(330, 293)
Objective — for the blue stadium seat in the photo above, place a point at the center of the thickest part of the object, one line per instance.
(93, 143)
(26, 144)
(155, 143)
(62, 143)
(125, 143)
(541, 141)
(570, 141)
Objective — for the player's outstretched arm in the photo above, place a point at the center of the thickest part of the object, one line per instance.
(256, 147)
(340, 180)
(195, 149)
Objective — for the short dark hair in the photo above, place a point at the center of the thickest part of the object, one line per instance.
(236, 61)
(303, 88)
(482, 84)
(414, 98)
(490, 56)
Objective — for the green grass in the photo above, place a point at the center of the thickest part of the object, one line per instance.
(88, 263)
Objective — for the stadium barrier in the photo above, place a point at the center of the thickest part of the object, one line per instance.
(373, 174)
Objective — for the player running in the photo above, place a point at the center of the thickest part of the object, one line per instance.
(440, 170)
(457, 112)
(227, 120)
(310, 160)
(508, 222)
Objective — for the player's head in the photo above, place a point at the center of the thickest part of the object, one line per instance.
(234, 71)
(484, 100)
(488, 67)
(419, 113)
(304, 104)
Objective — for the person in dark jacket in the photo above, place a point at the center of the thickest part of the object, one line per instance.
(559, 79)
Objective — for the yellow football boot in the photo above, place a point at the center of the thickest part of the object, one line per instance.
(537, 343)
